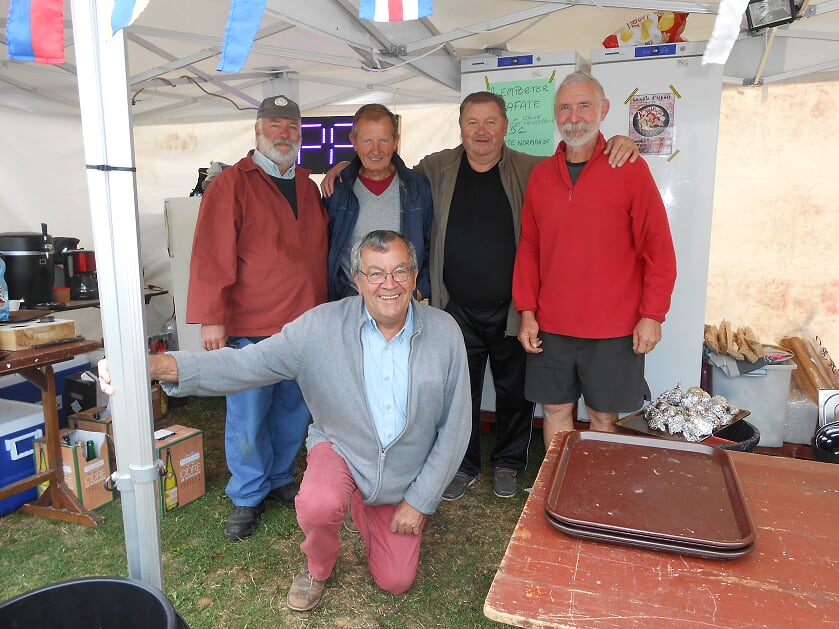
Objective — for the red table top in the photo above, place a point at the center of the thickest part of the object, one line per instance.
(790, 579)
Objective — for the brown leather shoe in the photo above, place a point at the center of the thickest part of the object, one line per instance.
(305, 592)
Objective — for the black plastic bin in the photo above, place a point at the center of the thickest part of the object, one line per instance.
(91, 603)
(744, 435)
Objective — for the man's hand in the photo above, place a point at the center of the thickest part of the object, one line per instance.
(407, 520)
(529, 333)
(646, 336)
(105, 377)
(619, 149)
(213, 336)
(327, 184)
(161, 367)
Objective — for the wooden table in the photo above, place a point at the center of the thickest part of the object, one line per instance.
(58, 501)
(790, 579)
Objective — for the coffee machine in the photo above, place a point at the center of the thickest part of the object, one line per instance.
(80, 274)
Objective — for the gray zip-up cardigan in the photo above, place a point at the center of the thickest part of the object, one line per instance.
(441, 170)
(322, 351)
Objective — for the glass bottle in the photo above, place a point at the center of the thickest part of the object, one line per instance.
(170, 485)
(90, 451)
(4, 293)
(42, 467)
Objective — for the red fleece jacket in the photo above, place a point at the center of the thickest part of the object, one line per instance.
(596, 256)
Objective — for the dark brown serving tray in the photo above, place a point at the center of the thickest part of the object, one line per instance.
(637, 423)
(639, 541)
(661, 490)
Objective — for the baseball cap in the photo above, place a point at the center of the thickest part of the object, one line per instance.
(278, 107)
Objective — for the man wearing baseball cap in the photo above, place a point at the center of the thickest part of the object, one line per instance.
(258, 262)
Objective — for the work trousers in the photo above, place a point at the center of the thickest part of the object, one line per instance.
(263, 432)
(327, 490)
(484, 331)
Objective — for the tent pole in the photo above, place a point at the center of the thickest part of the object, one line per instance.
(109, 155)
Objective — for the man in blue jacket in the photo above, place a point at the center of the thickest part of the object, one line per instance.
(377, 191)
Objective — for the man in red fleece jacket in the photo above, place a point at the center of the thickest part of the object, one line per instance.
(594, 271)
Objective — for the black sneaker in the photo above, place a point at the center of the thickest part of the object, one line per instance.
(285, 494)
(242, 521)
(504, 483)
(457, 488)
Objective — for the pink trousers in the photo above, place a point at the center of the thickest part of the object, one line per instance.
(325, 493)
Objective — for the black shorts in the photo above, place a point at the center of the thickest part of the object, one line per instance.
(608, 374)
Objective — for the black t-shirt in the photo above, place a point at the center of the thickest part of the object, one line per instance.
(480, 247)
(288, 190)
(574, 169)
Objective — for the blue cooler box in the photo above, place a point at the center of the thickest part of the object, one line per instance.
(16, 387)
(20, 424)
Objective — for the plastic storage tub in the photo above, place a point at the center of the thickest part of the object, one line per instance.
(20, 424)
(16, 387)
(764, 393)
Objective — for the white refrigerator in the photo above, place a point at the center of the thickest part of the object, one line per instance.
(665, 99)
(180, 215)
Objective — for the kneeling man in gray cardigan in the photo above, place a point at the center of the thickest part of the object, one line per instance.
(387, 383)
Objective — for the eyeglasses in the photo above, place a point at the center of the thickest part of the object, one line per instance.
(380, 277)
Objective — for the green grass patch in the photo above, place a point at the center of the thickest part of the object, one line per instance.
(215, 584)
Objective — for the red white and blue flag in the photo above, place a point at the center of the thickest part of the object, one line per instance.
(35, 30)
(394, 10)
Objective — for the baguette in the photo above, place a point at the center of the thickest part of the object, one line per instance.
(754, 343)
(742, 340)
(725, 337)
(712, 335)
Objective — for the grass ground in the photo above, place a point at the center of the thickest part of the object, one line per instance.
(215, 584)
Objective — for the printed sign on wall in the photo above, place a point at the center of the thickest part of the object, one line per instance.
(651, 122)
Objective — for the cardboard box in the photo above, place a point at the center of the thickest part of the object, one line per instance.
(20, 424)
(16, 387)
(96, 419)
(81, 392)
(26, 335)
(85, 478)
(182, 451)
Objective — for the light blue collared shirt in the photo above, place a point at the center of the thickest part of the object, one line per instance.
(270, 167)
(386, 376)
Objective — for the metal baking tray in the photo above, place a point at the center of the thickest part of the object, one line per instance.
(660, 490)
(637, 423)
(640, 541)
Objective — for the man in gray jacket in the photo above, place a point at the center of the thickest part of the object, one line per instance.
(386, 380)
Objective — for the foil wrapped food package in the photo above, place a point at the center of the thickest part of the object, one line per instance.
(693, 413)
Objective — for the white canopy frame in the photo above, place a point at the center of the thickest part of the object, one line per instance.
(109, 155)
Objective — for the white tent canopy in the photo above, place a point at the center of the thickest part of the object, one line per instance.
(321, 53)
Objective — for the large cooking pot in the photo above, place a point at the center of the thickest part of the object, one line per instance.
(30, 265)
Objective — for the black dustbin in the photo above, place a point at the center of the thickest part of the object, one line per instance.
(91, 603)
(744, 435)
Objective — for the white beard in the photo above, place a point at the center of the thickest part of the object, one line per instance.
(272, 151)
(577, 140)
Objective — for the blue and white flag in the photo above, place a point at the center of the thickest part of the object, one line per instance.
(243, 21)
(125, 12)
